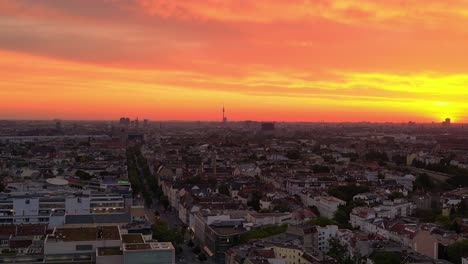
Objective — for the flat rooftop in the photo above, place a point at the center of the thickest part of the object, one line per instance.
(266, 215)
(137, 246)
(227, 231)
(331, 199)
(132, 238)
(85, 234)
(149, 246)
(109, 251)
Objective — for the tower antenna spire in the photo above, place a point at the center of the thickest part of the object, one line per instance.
(224, 117)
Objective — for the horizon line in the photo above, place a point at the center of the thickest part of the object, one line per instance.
(239, 121)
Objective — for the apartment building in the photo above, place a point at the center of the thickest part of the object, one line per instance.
(324, 235)
(327, 205)
(48, 208)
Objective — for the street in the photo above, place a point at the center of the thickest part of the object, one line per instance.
(172, 219)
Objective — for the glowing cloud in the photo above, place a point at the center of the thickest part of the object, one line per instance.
(334, 60)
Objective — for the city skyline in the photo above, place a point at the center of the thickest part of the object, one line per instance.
(311, 61)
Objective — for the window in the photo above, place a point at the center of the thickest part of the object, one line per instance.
(27, 201)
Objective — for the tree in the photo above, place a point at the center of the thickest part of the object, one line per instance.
(183, 230)
(376, 156)
(347, 192)
(399, 159)
(462, 208)
(282, 207)
(444, 221)
(293, 155)
(315, 210)
(342, 219)
(179, 250)
(255, 200)
(322, 221)
(386, 257)
(190, 243)
(423, 181)
(193, 180)
(224, 189)
(342, 214)
(456, 227)
(339, 252)
(262, 232)
(164, 201)
(162, 232)
(148, 198)
(257, 178)
(425, 216)
(196, 249)
(395, 195)
(320, 169)
(84, 176)
(457, 250)
(453, 213)
(202, 257)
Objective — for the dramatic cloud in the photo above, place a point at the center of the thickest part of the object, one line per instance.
(334, 60)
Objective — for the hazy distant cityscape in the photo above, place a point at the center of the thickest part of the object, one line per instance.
(142, 191)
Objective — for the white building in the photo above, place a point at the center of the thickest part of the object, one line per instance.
(81, 240)
(296, 186)
(261, 219)
(104, 245)
(324, 235)
(392, 209)
(362, 218)
(327, 205)
(50, 207)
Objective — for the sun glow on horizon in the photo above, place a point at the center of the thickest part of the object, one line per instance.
(280, 60)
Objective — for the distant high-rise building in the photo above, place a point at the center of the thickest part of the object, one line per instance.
(268, 126)
(124, 121)
(145, 123)
(447, 122)
(58, 126)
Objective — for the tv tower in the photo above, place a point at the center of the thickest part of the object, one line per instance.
(224, 117)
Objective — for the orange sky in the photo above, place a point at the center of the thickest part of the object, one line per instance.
(293, 60)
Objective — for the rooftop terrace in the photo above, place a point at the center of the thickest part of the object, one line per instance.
(149, 246)
(132, 238)
(85, 234)
(109, 251)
